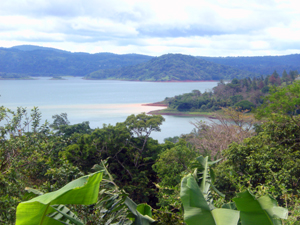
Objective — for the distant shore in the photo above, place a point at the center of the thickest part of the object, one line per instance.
(161, 111)
(160, 81)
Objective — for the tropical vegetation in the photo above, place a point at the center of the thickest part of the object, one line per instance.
(243, 171)
(21, 62)
(172, 67)
(244, 94)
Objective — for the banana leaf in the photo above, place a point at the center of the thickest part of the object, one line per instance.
(196, 209)
(82, 191)
(141, 214)
(261, 211)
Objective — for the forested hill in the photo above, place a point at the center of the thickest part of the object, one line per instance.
(28, 60)
(172, 67)
(264, 65)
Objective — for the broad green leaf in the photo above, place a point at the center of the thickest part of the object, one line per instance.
(144, 209)
(140, 213)
(262, 211)
(197, 210)
(83, 191)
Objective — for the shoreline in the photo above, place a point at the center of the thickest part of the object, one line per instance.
(160, 104)
(157, 112)
(160, 81)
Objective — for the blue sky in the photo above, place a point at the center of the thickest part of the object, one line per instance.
(154, 27)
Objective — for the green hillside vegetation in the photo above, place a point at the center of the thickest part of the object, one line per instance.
(25, 61)
(28, 60)
(172, 67)
(244, 94)
(136, 169)
(259, 64)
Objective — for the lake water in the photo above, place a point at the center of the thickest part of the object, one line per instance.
(99, 101)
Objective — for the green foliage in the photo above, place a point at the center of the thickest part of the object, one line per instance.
(28, 157)
(244, 93)
(40, 210)
(198, 205)
(266, 163)
(282, 101)
(171, 67)
(59, 120)
(244, 105)
(130, 152)
(18, 62)
(258, 64)
(113, 205)
(259, 211)
(173, 162)
(197, 209)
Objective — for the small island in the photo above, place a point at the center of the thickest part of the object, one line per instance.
(57, 78)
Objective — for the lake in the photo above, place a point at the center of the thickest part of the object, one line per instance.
(99, 101)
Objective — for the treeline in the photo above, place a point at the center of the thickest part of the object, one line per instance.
(38, 61)
(172, 67)
(260, 157)
(243, 93)
(259, 64)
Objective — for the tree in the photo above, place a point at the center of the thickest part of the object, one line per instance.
(244, 105)
(130, 151)
(282, 102)
(284, 76)
(28, 156)
(172, 162)
(293, 74)
(59, 120)
(231, 126)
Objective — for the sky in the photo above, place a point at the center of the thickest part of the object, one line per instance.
(154, 27)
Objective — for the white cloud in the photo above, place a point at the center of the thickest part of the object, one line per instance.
(203, 27)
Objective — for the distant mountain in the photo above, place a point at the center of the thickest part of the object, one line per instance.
(34, 47)
(172, 67)
(27, 60)
(264, 65)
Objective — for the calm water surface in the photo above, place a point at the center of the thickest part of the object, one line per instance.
(99, 101)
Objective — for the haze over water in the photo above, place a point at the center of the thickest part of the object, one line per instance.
(99, 101)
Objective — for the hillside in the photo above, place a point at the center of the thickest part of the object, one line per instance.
(30, 60)
(172, 67)
(264, 65)
(244, 94)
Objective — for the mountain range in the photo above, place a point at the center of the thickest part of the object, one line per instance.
(28, 60)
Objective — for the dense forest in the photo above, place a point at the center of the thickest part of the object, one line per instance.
(22, 61)
(172, 67)
(146, 182)
(244, 94)
(27, 60)
(259, 64)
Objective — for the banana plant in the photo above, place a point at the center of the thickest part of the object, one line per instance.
(117, 206)
(198, 211)
(205, 175)
(46, 209)
(261, 211)
(245, 210)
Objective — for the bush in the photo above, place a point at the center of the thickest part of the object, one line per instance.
(244, 105)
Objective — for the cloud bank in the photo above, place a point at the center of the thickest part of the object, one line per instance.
(203, 28)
